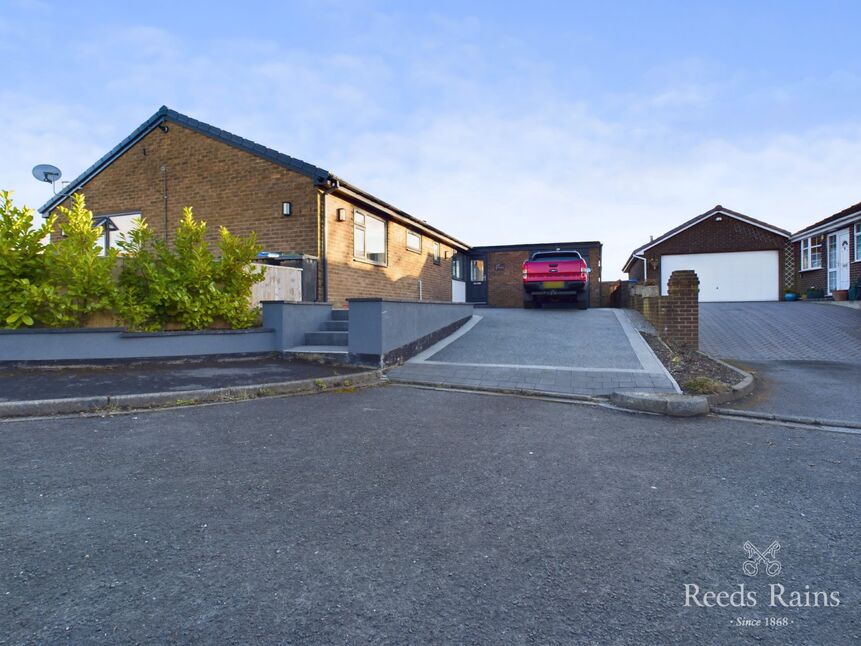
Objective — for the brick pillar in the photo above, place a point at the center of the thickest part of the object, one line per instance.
(681, 318)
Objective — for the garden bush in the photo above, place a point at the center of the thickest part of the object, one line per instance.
(22, 266)
(79, 273)
(184, 285)
(66, 282)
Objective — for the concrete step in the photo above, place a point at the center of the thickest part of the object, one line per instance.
(335, 326)
(326, 338)
(340, 315)
(318, 349)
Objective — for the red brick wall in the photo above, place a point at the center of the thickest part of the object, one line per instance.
(225, 186)
(712, 236)
(232, 188)
(350, 278)
(675, 317)
(505, 278)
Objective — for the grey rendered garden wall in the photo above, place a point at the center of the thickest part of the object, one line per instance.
(52, 345)
(394, 330)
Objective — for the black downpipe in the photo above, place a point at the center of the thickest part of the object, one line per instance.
(164, 196)
(334, 184)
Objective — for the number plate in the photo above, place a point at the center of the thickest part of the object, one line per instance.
(554, 284)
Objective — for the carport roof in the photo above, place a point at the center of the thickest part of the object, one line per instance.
(696, 220)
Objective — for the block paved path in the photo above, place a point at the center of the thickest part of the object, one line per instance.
(591, 352)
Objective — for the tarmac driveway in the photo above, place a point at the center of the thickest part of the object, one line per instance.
(591, 352)
(807, 355)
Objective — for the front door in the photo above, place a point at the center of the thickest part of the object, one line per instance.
(476, 284)
(838, 260)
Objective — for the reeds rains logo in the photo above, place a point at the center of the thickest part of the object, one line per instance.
(766, 557)
(756, 562)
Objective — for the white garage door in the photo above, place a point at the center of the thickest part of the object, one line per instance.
(738, 276)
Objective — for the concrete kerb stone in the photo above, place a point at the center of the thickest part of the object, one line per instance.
(69, 405)
(502, 390)
(40, 407)
(791, 419)
(671, 404)
(741, 389)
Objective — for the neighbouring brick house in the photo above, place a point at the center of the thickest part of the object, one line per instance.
(495, 275)
(365, 247)
(736, 257)
(828, 253)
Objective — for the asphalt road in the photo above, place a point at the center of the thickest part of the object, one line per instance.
(397, 515)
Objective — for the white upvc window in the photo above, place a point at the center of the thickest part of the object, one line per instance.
(811, 254)
(414, 242)
(858, 242)
(435, 252)
(114, 227)
(369, 238)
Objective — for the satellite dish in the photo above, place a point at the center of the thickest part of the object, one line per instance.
(47, 173)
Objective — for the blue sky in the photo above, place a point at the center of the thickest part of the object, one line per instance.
(498, 122)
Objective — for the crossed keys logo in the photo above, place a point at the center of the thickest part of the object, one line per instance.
(767, 557)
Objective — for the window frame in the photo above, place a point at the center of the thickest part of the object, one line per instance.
(407, 241)
(857, 240)
(806, 248)
(363, 227)
(110, 230)
(474, 263)
(436, 252)
(457, 271)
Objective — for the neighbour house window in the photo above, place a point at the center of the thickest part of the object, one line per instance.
(436, 253)
(414, 242)
(114, 227)
(811, 254)
(858, 241)
(457, 268)
(369, 238)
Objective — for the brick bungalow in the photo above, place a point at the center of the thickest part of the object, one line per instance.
(736, 257)
(363, 246)
(828, 253)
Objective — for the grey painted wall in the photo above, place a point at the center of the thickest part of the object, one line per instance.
(291, 320)
(377, 326)
(377, 329)
(99, 345)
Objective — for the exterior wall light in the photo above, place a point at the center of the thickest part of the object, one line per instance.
(342, 215)
(286, 209)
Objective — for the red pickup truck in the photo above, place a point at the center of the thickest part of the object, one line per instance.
(556, 275)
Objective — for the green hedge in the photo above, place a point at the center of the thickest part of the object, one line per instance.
(146, 285)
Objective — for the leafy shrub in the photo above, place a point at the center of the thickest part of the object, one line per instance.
(22, 263)
(80, 279)
(66, 282)
(185, 285)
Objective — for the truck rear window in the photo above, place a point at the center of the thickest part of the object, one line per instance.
(556, 256)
